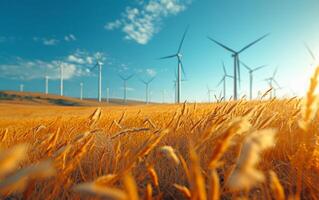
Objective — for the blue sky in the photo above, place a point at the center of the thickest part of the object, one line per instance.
(132, 34)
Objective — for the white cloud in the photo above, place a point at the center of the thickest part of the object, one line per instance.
(46, 41)
(75, 65)
(140, 24)
(151, 72)
(70, 38)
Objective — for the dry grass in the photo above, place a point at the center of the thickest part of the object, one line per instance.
(245, 150)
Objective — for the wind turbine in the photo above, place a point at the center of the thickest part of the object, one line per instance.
(125, 79)
(46, 84)
(209, 91)
(180, 67)
(21, 87)
(99, 66)
(235, 55)
(223, 80)
(107, 95)
(61, 65)
(81, 91)
(251, 71)
(270, 81)
(147, 83)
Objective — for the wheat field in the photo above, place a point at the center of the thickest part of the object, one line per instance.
(263, 149)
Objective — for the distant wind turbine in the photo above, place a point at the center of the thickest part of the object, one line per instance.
(125, 79)
(21, 87)
(223, 80)
(235, 55)
(99, 65)
(251, 71)
(180, 67)
(107, 95)
(272, 80)
(46, 84)
(61, 65)
(147, 83)
(209, 93)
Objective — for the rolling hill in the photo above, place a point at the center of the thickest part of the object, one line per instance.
(33, 98)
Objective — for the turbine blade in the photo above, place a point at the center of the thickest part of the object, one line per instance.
(258, 68)
(248, 68)
(254, 42)
(182, 41)
(225, 73)
(129, 77)
(275, 72)
(276, 83)
(310, 51)
(92, 68)
(220, 82)
(182, 66)
(166, 57)
(152, 79)
(220, 44)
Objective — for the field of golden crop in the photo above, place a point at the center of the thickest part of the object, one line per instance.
(232, 150)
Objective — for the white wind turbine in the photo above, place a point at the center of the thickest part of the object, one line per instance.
(107, 95)
(46, 84)
(251, 71)
(180, 67)
(125, 79)
(223, 80)
(21, 87)
(147, 83)
(272, 80)
(235, 55)
(99, 65)
(209, 93)
(61, 65)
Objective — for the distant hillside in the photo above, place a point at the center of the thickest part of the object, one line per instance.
(33, 98)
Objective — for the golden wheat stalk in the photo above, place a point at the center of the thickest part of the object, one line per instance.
(10, 158)
(170, 153)
(101, 191)
(148, 192)
(214, 186)
(245, 175)
(184, 190)
(130, 187)
(276, 186)
(153, 175)
(198, 189)
(237, 126)
(309, 108)
(18, 181)
(95, 117)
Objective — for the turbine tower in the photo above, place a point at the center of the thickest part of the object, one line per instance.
(147, 83)
(125, 79)
(21, 87)
(223, 80)
(251, 71)
(81, 91)
(99, 65)
(272, 80)
(235, 55)
(46, 84)
(180, 67)
(209, 93)
(61, 65)
(107, 95)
